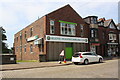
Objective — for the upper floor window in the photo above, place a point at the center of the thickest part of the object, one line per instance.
(52, 27)
(20, 35)
(31, 32)
(112, 36)
(17, 39)
(81, 28)
(93, 20)
(94, 33)
(67, 29)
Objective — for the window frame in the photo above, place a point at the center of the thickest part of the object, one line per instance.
(67, 29)
(52, 27)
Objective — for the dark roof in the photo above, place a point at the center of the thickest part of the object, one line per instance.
(90, 17)
(101, 19)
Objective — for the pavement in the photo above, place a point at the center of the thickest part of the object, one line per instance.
(30, 65)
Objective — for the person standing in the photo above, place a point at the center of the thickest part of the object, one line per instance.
(61, 56)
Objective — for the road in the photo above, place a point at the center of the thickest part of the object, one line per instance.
(108, 69)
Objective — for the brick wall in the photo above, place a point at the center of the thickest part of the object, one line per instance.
(38, 29)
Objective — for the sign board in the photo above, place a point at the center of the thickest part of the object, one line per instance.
(32, 38)
(66, 39)
(113, 43)
(38, 41)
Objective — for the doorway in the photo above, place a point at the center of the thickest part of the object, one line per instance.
(69, 50)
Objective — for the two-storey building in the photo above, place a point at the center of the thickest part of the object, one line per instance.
(93, 38)
(62, 29)
(104, 36)
(111, 36)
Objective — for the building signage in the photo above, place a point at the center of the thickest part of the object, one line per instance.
(66, 39)
(113, 43)
(32, 38)
(38, 41)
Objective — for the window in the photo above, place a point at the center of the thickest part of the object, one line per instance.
(112, 36)
(20, 35)
(20, 49)
(81, 28)
(31, 48)
(31, 32)
(94, 33)
(87, 54)
(93, 20)
(17, 39)
(67, 29)
(25, 34)
(52, 27)
(25, 48)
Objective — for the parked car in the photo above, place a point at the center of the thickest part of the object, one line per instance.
(86, 57)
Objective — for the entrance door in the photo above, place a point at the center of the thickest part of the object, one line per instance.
(69, 50)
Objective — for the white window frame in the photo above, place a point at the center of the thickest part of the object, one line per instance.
(52, 27)
(67, 29)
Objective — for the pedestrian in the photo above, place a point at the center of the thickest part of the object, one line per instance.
(61, 56)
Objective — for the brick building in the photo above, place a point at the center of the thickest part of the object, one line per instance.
(62, 29)
(104, 36)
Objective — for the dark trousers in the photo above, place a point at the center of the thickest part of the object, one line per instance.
(61, 58)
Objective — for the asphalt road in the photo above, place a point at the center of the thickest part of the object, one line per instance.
(108, 69)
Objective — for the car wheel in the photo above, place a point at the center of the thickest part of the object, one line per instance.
(100, 60)
(86, 61)
(76, 63)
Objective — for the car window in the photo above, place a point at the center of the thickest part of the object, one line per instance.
(87, 54)
(94, 54)
(76, 55)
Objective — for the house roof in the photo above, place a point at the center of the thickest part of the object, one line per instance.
(101, 19)
(107, 22)
(63, 8)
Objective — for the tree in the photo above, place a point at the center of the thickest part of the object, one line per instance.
(4, 38)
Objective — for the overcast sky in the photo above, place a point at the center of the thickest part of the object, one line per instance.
(17, 14)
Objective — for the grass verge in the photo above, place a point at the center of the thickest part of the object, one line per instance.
(27, 61)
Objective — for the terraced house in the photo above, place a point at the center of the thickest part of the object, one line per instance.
(44, 39)
(104, 36)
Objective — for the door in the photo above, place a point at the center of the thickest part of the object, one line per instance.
(69, 50)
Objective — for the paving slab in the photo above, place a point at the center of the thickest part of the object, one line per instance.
(30, 65)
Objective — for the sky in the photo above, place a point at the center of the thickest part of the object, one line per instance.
(17, 14)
